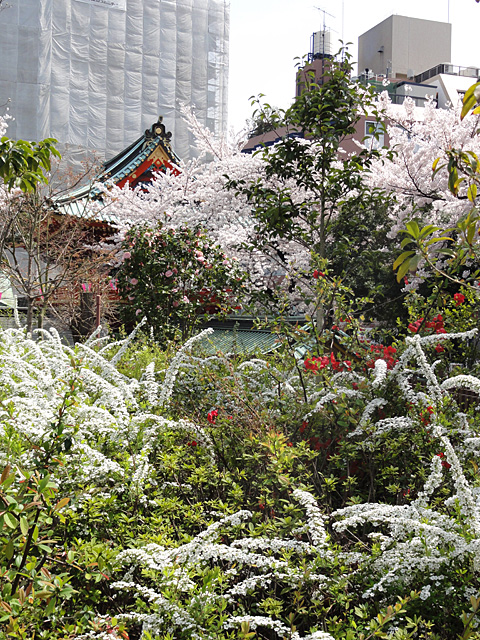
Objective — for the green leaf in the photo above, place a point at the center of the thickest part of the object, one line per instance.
(470, 99)
(413, 229)
(10, 520)
(24, 525)
(50, 607)
(472, 192)
(9, 549)
(402, 257)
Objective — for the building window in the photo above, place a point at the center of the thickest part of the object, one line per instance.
(374, 135)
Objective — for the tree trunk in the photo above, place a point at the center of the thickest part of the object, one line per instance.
(30, 314)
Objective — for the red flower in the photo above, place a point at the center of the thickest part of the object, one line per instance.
(311, 364)
(439, 348)
(415, 326)
(289, 444)
(212, 416)
(459, 298)
(193, 443)
(318, 274)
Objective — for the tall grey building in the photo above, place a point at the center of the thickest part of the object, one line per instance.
(94, 74)
(402, 47)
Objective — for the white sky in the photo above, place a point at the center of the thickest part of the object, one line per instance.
(266, 36)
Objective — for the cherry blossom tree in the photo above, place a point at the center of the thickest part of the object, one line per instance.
(434, 189)
(274, 208)
(420, 138)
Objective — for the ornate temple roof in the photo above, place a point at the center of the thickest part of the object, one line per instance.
(134, 165)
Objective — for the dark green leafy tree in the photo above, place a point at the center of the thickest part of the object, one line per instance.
(315, 194)
(23, 164)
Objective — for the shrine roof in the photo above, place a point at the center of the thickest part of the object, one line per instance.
(134, 165)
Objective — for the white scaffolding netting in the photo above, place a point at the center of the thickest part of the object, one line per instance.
(94, 74)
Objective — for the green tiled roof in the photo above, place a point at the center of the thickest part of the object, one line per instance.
(244, 341)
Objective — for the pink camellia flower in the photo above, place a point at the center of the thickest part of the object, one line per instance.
(131, 297)
(138, 312)
(127, 255)
(200, 259)
(176, 303)
(133, 281)
(169, 273)
(185, 299)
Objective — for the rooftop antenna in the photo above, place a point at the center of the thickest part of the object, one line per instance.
(324, 27)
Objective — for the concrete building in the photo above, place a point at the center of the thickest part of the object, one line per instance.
(402, 47)
(95, 73)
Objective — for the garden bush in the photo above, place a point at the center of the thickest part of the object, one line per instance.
(222, 497)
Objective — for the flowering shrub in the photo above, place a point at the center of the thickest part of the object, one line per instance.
(76, 432)
(271, 498)
(176, 278)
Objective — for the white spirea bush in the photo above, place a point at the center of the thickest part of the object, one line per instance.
(188, 586)
(421, 545)
(45, 383)
(113, 424)
(418, 545)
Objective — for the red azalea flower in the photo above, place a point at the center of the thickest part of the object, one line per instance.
(459, 298)
(311, 364)
(439, 348)
(212, 416)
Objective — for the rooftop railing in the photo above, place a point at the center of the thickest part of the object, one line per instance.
(448, 69)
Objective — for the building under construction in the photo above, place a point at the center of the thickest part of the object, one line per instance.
(93, 73)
